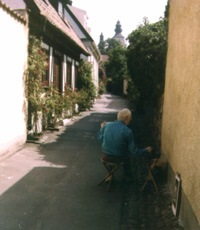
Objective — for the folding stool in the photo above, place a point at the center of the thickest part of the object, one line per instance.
(111, 168)
(150, 167)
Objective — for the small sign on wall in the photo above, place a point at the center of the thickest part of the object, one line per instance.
(176, 196)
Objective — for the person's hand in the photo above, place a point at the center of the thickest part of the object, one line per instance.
(103, 124)
(149, 149)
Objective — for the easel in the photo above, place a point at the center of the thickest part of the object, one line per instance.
(150, 168)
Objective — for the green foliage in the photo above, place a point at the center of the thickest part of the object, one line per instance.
(116, 69)
(106, 46)
(167, 10)
(71, 98)
(84, 81)
(46, 98)
(146, 57)
(102, 88)
(68, 104)
(54, 105)
(166, 16)
(101, 47)
(110, 44)
(84, 101)
(132, 93)
(37, 65)
(146, 60)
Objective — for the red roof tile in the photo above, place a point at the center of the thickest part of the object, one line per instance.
(48, 11)
(11, 12)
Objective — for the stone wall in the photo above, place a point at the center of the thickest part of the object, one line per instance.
(181, 112)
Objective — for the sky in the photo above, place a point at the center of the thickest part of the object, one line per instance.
(103, 15)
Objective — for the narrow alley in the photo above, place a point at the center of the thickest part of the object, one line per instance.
(53, 184)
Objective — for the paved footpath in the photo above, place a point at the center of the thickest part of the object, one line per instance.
(52, 185)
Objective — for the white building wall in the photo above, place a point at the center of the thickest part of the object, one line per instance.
(13, 103)
(96, 74)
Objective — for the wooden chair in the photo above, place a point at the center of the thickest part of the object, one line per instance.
(111, 168)
(150, 164)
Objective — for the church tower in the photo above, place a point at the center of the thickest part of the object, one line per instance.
(101, 38)
(118, 34)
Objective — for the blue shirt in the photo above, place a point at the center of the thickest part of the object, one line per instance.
(117, 140)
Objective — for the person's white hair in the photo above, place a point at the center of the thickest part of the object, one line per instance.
(123, 114)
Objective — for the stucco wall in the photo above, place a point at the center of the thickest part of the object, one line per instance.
(95, 73)
(13, 61)
(181, 114)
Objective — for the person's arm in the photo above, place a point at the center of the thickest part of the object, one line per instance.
(134, 150)
(100, 133)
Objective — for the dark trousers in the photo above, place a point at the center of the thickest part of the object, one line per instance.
(115, 159)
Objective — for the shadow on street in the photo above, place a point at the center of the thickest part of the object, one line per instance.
(54, 185)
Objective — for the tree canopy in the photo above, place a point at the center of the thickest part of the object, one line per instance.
(108, 45)
(116, 67)
(146, 58)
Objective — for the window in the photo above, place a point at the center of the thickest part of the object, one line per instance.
(45, 76)
(57, 73)
(45, 2)
(76, 75)
(60, 9)
(69, 74)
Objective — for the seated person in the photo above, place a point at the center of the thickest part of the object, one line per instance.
(118, 142)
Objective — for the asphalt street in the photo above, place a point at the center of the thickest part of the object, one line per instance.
(52, 185)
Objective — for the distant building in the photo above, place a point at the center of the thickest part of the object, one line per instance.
(78, 20)
(104, 56)
(118, 34)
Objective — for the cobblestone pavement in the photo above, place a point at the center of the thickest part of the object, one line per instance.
(148, 209)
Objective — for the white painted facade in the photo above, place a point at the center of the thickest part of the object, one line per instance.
(87, 40)
(13, 59)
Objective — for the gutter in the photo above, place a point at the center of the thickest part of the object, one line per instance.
(13, 12)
